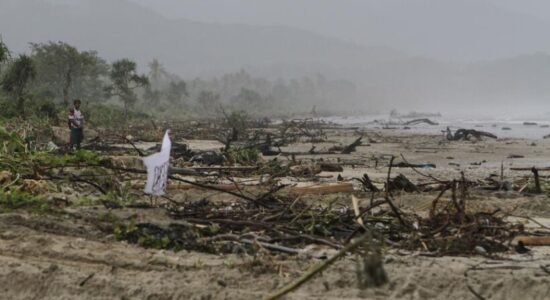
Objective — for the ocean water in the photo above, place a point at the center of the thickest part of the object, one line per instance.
(492, 124)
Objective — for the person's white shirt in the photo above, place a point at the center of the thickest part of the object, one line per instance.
(78, 118)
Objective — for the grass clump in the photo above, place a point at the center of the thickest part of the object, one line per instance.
(15, 200)
(242, 155)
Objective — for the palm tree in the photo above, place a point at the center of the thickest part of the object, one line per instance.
(157, 71)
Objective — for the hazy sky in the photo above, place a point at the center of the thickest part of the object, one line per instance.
(243, 10)
(438, 28)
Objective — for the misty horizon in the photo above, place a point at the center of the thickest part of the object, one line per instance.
(447, 56)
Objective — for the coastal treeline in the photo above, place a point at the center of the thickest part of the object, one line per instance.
(43, 82)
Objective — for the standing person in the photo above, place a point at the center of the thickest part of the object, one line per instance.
(76, 124)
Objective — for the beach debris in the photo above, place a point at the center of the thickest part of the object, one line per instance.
(420, 121)
(209, 158)
(305, 170)
(34, 187)
(178, 150)
(465, 134)
(506, 128)
(331, 167)
(538, 188)
(402, 183)
(426, 166)
(157, 166)
(328, 188)
(414, 115)
(528, 240)
(268, 216)
(520, 248)
(346, 149)
(51, 147)
(367, 184)
(530, 123)
(352, 147)
(5, 177)
(516, 156)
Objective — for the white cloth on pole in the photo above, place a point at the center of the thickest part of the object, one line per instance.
(157, 168)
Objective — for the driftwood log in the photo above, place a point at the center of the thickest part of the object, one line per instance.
(352, 147)
(420, 121)
(465, 134)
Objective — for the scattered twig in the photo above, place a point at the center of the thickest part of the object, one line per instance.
(316, 269)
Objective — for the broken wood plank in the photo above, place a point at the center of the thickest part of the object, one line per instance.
(533, 240)
(331, 188)
(222, 168)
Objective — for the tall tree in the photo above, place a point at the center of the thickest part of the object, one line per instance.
(177, 90)
(4, 54)
(208, 102)
(125, 80)
(17, 78)
(63, 71)
(248, 99)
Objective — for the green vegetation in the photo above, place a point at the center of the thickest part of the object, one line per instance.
(242, 155)
(147, 236)
(17, 79)
(42, 84)
(15, 200)
(65, 72)
(118, 195)
(125, 80)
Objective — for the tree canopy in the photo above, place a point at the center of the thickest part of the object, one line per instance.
(65, 72)
(124, 81)
(17, 78)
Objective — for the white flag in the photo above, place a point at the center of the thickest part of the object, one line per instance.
(157, 168)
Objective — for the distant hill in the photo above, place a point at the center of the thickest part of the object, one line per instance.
(118, 28)
(450, 30)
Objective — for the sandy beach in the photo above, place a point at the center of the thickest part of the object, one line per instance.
(70, 256)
